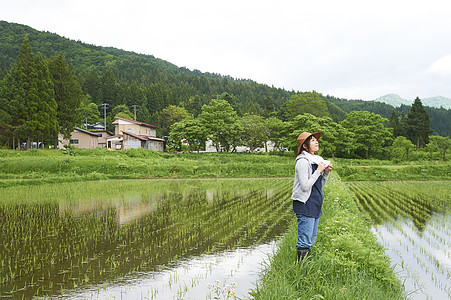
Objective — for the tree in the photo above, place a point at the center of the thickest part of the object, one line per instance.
(170, 115)
(403, 124)
(122, 111)
(230, 99)
(254, 131)
(370, 133)
(88, 112)
(221, 123)
(268, 105)
(68, 95)
(335, 139)
(395, 123)
(401, 148)
(138, 97)
(92, 85)
(110, 89)
(28, 97)
(14, 92)
(43, 118)
(190, 130)
(194, 105)
(5, 125)
(418, 124)
(274, 131)
(309, 102)
(440, 144)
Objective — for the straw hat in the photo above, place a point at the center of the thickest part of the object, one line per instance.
(303, 136)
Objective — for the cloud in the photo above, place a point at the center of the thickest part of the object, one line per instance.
(442, 66)
(347, 48)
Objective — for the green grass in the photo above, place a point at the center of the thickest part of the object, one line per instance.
(346, 261)
(373, 170)
(35, 167)
(52, 166)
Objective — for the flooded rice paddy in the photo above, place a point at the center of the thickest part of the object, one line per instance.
(158, 239)
(412, 220)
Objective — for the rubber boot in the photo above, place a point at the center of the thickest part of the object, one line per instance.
(302, 252)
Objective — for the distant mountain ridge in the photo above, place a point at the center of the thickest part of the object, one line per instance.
(396, 101)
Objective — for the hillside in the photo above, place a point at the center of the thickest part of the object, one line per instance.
(161, 82)
(115, 76)
(397, 101)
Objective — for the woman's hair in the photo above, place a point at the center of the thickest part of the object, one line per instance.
(306, 144)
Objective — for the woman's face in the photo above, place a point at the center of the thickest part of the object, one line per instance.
(313, 145)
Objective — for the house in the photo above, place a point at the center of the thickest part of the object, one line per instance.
(133, 134)
(96, 126)
(104, 134)
(81, 138)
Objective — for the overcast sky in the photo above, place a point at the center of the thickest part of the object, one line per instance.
(351, 49)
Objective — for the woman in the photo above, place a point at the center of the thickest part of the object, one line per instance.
(311, 173)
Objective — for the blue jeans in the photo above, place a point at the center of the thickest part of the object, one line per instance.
(307, 230)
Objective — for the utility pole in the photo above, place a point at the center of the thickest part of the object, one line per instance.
(134, 108)
(104, 114)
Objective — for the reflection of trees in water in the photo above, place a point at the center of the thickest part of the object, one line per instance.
(59, 246)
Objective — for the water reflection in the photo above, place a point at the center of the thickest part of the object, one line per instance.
(97, 241)
(197, 277)
(421, 262)
(412, 221)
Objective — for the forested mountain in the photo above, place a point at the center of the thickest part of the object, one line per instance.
(116, 77)
(123, 79)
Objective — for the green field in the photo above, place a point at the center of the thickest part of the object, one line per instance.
(377, 170)
(60, 239)
(52, 166)
(347, 261)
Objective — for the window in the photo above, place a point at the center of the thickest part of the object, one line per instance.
(73, 142)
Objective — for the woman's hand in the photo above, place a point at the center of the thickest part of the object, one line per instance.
(328, 168)
(321, 167)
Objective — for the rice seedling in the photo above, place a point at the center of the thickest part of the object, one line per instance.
(412, 220)
(75, 236)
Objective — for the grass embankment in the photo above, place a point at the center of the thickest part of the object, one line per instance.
(53, 166)
(377, 170)
(346, 261)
